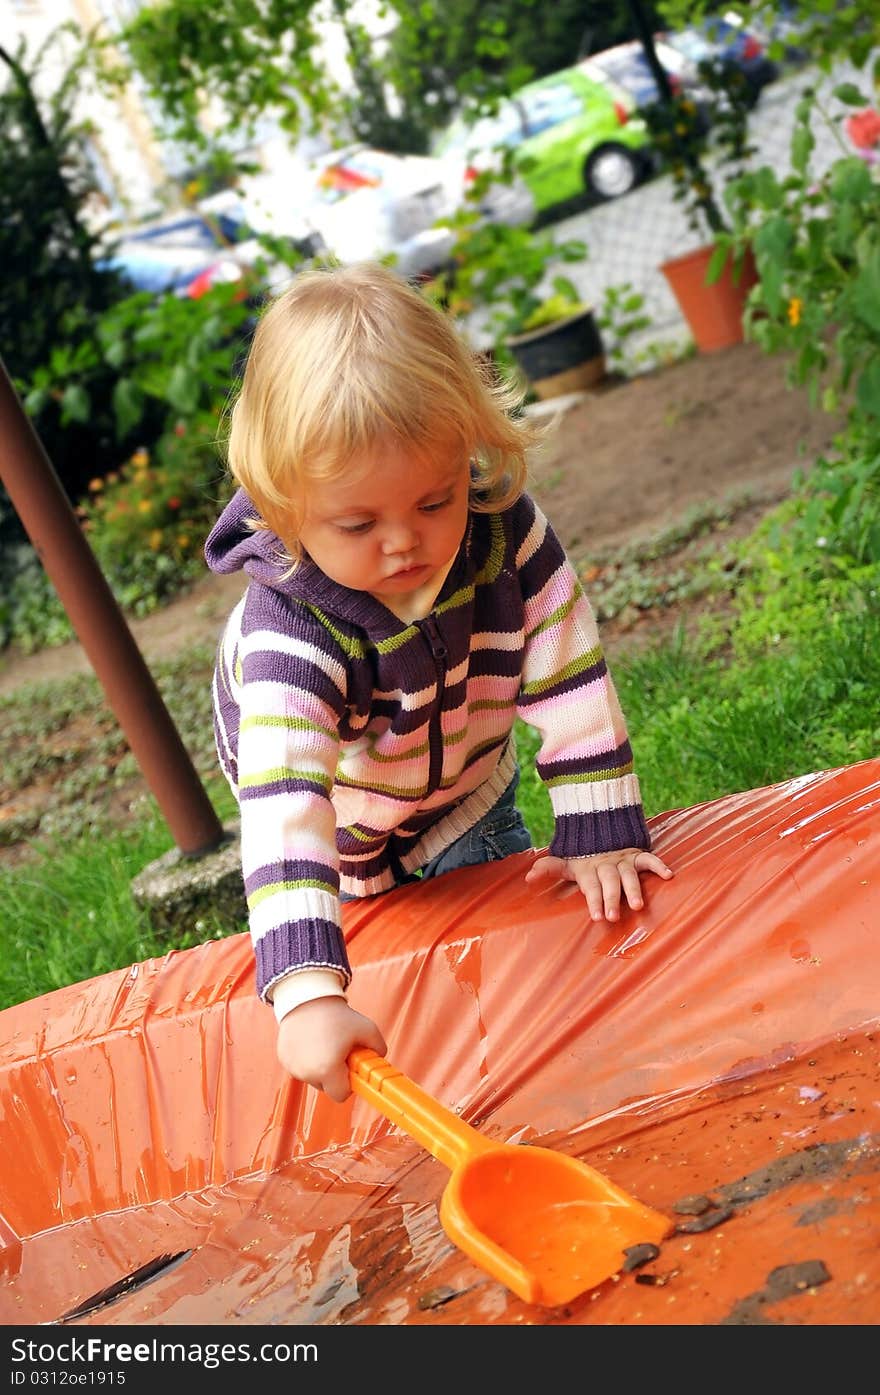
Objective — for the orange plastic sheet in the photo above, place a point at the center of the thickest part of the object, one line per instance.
(714, 1054)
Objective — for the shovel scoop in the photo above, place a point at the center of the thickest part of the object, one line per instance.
(546, 1225)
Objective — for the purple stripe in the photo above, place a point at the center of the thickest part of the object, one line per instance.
(500, 663)
(290, 870)
(603, 760)
(579, 835)
(363, 871)
(293, 672)
(283, 787)
(307, 944)
(568, 685)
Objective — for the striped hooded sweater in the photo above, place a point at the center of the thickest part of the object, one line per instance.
(359, 747)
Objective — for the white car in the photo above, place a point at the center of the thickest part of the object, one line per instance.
(359, 204)
(471, 148)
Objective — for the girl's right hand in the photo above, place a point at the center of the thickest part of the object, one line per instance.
(315, 1039)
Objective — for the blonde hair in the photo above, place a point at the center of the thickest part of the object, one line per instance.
(347, 357)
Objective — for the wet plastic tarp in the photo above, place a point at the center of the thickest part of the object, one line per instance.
(715, 1054)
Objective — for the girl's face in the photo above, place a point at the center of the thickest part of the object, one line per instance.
(390, 524)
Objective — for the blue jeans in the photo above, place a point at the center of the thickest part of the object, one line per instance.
(497, 834)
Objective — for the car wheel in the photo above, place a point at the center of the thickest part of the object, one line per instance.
(611, 170)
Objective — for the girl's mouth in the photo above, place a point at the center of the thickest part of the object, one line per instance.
(406, 572)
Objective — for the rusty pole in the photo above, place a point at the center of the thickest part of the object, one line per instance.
(43, 507)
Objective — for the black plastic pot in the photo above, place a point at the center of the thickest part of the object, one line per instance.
(563, 357)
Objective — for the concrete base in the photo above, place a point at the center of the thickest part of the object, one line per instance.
(177, 890)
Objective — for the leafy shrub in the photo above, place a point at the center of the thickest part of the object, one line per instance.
(173, 363)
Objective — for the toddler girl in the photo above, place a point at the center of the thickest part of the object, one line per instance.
(407, 599)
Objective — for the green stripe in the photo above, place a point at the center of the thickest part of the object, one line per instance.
(590, 777)
(306, 884)
(579, 665)
(463, 596)
(388, 646)
(495, 561)
(284, 772)
(288, 723)
(373, 787)
(489, 705)
(349, 644)
(359, 834)
(560, 613)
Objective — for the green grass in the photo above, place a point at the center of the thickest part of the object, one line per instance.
(68, 914)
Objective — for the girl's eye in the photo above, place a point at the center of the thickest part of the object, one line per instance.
(354, 528)
(433, 508)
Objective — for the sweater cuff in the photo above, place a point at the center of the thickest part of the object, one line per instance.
(607, 830)
(303, 944)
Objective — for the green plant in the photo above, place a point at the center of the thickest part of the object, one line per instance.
(816, 239)
(619, 318)
(696, 140)
(503, 272)
(171, 363)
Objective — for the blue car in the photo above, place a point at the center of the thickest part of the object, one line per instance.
(627, 65)
(183, 256)
(724, 44)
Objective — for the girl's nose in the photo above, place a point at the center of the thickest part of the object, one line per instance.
(399, 537)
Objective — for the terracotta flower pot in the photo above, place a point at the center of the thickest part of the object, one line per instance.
(713, 313)
(563, 357)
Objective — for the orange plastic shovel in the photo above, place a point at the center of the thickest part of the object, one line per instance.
(546, 1225)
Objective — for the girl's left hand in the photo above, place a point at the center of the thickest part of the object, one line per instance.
(603, 877)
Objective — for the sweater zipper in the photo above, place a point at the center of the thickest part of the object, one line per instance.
(439, 653)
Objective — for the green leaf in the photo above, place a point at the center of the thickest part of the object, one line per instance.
(868, 389)
(127, 405)
(75, 404)
(866, 294)
(716, 264)
(774, 238)
(851, 180)
(802, 145)
(35, 401)
(183, 389)
(116, 353)
(771, 287)
(850, 95)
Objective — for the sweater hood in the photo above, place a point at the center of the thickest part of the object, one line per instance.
(234, 547)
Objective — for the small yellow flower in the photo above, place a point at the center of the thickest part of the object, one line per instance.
(95, 485)
(144, 506)
(140, 458)
(183, 540)
(795, 305)
(156, 539)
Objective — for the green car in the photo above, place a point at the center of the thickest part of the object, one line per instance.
(569, 134)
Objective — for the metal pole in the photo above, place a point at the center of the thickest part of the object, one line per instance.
(643, 29)
(43, 507)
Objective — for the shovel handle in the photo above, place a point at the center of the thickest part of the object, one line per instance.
(446, 1137)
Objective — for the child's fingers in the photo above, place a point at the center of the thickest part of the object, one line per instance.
(650, 862)
(545, 866)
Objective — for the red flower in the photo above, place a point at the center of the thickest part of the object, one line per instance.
(174, 502)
